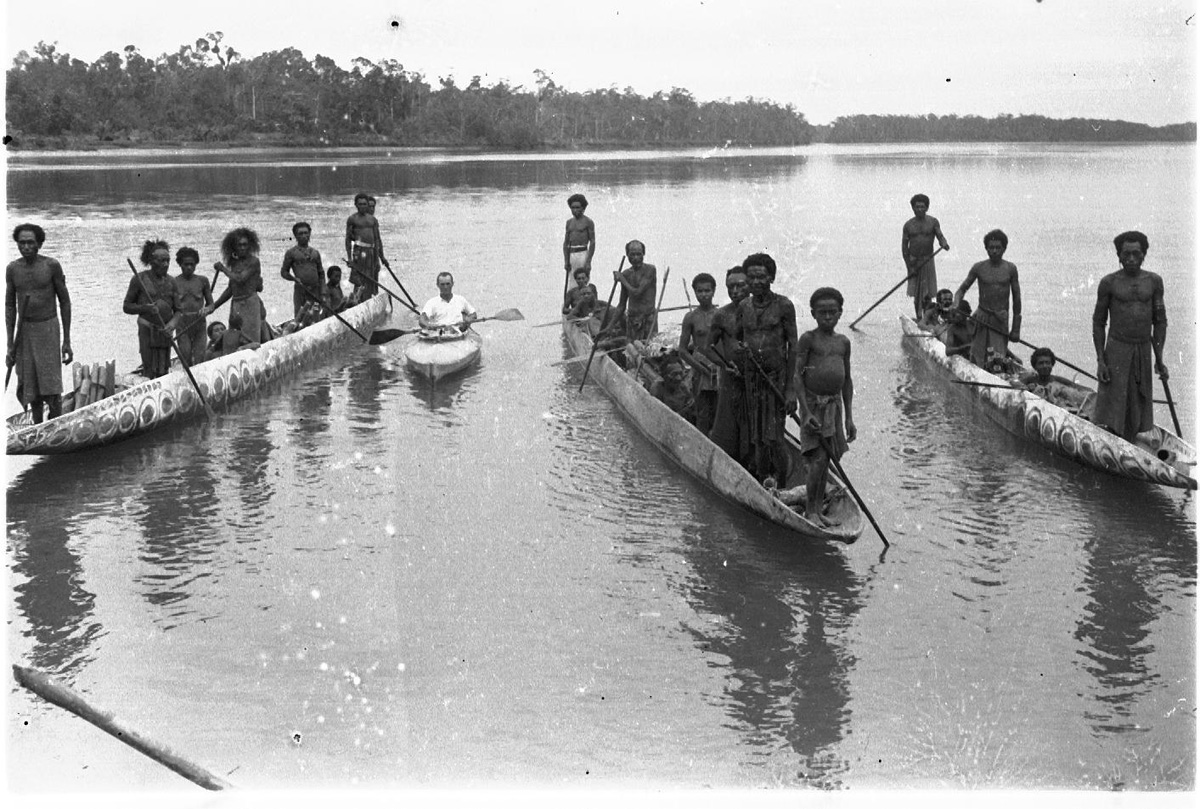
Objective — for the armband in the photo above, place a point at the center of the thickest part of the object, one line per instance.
(1159, 315)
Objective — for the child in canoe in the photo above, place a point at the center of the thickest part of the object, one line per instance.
(672, 390)
(826, 397)
(581, 298)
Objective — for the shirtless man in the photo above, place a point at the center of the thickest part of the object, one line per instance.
(195, 302)
(35, 290)
(364, 248)
(693, 337)
(638, 285)
(1129, 303)
(767, 330)
(579, 244)
(729, 430)
(997, 281)
(152, 296)
(823, 359)
(302, 266)
(239, 248)
(916, 248)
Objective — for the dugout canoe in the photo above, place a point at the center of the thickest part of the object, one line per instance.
(153, 403)
(680, 441)
(1158, 455)
(437, 356)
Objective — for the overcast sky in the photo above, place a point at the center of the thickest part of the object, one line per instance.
(1130, 59)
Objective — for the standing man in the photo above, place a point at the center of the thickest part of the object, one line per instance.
(579, 243)
(767, 329)
(638, 285)
(916, 248)
(153, 297)
(1130, 303)
(38, 284)
(729, 431)
(302, 266)
(364, 246)
(997, 281)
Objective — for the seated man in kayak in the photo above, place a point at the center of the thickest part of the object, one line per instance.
(446, 313)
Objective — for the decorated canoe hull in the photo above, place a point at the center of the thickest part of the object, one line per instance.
(154, 403)
(1158, 456)
(442, 357)
(680, 441)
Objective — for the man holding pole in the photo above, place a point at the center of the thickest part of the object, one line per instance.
(40, 286)
(1129, 303)
(916, 248)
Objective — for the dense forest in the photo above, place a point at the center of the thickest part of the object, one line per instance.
(206, 92)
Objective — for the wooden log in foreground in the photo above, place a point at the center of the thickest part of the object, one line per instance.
(64, 697)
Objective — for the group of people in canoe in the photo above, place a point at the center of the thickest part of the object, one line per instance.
(751, 369)
(174, 309)
(750, 366)
(1129, 324)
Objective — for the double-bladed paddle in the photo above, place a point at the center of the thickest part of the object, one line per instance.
(381, 336)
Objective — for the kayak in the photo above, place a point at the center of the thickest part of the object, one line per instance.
(440, 355)
(680, 441)
(140, 405)
(1156, 456)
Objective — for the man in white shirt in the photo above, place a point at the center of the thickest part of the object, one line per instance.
(447, 311)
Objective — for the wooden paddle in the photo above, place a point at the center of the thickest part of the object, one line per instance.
(187, 369)
(64, 697)
(558, 322)
(581, 358)
(411, 303)
(603, 323)
(828, 451)
(1171, 404)
(16, 343)
(410, 307)
(1009, 387)
(1057, 358)
(686, 293)
(381, 336)
(907, 278)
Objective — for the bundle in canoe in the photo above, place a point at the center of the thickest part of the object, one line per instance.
(1156, 456)
(680, 441)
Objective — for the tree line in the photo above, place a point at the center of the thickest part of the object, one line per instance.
(208, 92)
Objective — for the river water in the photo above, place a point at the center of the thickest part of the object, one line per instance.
(356, 579)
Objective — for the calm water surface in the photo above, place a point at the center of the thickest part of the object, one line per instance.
(357, 579)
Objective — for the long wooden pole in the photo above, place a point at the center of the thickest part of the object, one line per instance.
(48, 689)
(16, 341)
(888, 294)
(329, 309)
(603, 323)
(998, 330)
(1171, 404)
(828, 451)
(186, 368)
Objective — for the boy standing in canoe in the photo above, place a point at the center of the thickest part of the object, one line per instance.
(195, 302)
(638, 286)
(35, 291)
(693, 337)
(1130, 304)
(579, 244)
(303, 267)
(916, 248)
(729, 430)
(827, 394)
(767, 330)
(998, 280)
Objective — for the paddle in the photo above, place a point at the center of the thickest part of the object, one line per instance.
(1030, 345)
(888, 294)
(828, 451)
(1010, 387)
(662, 293)
(411, 303)
(1171, 404)
(163, 325)
(576, 320)
(62, 696)
(410, 307)
(581, 358)
(381, 336)
(686, 294)
(329, 309)
(603, 323)
(16, 345)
